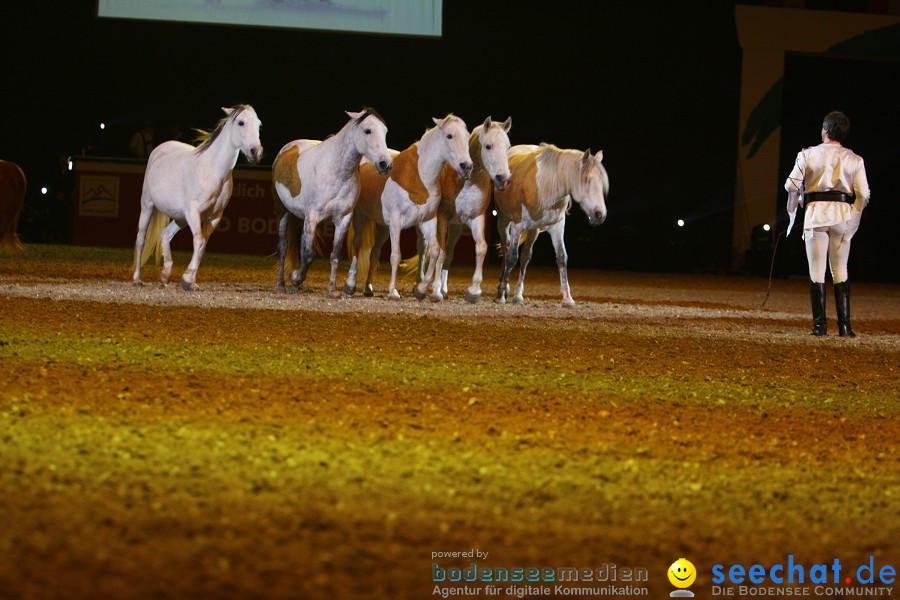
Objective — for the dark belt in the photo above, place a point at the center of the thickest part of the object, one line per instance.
(831, 196)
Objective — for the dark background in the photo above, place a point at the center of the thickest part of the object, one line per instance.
(655, 85)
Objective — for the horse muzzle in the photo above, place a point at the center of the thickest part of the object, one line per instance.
(596, 218)
(465, 169)
(254, 154)
(384, 166)
(501, 183)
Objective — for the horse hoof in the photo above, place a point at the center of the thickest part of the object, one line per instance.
(189, 286)
(279, 289)
(437, 297)
(394, 295)
(569, 303)
(472, 298)
(137, 283)
(334, 294)
(296, 280)
(419, 295)
(165, 278)
(499, 300)
(349, 290)
(518, 300)
(370, 292)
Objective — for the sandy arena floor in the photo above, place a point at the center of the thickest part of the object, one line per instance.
(238, 443)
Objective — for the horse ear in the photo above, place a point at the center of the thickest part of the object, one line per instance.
(599, 156)
(353, 115)
(437, 121)
(227, 110)
(586, 156)
(487, 123)
(507, 124)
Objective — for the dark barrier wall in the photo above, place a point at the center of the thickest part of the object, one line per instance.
(107, 206)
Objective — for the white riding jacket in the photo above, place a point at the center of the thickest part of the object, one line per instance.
(824, 168)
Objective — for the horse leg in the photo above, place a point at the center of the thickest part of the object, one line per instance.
(429, 231)
(165, 240)
(476, 225)
(381, 236)
(394, 231)
(143, 223)
(189, 278)
(524, 259)
(358, 222)
(307, 252)
(454, 231)
(511, 232)
(556, 232)
(421, 247)
(503, 225)
(282, 250)
(341, 225)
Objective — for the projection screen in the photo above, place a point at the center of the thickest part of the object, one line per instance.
(397, 17)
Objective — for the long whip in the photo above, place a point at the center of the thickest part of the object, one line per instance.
(772, 268)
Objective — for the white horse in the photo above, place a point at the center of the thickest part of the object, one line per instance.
(465, 202)
(410, 196)
(544, 181)
(315, 181)
(192, 186)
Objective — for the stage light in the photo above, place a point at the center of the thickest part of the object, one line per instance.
(102, 126)
(44, 191)
(494, 212)
(71, 166)
(766, 227)
(680, 222)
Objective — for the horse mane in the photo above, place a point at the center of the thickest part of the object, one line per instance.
(206, 138)
(558, 167)
(366, 111)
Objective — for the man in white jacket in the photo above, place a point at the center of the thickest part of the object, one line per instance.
(832, 182)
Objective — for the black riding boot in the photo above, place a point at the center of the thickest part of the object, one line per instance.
(842, 304)
(817, 298)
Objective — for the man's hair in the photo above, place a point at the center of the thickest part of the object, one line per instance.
(836, 126)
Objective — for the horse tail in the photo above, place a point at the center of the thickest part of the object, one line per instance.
(152, 243)
(367, 237)
(411, 265)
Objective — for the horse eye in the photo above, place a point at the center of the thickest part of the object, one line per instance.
(240, 123)
(449, 136)
(367, 131)
(487, 146)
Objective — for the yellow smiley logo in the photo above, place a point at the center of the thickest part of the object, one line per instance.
(682, 573)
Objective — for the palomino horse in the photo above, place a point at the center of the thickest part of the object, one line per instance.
(410, 196)
(465, 202)
(192, 186)
(315, 181)
(545, 179)
(12, 195)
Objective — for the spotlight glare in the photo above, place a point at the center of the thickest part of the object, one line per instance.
(44, 191)
(494, 212)
(680, 222)
(71, 165)
(766, 227)
(102, 125)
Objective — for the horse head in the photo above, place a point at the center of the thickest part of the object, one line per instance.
(455, 144)
(244, 131)
(592, 187)
(494, 139)
(370, 139)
